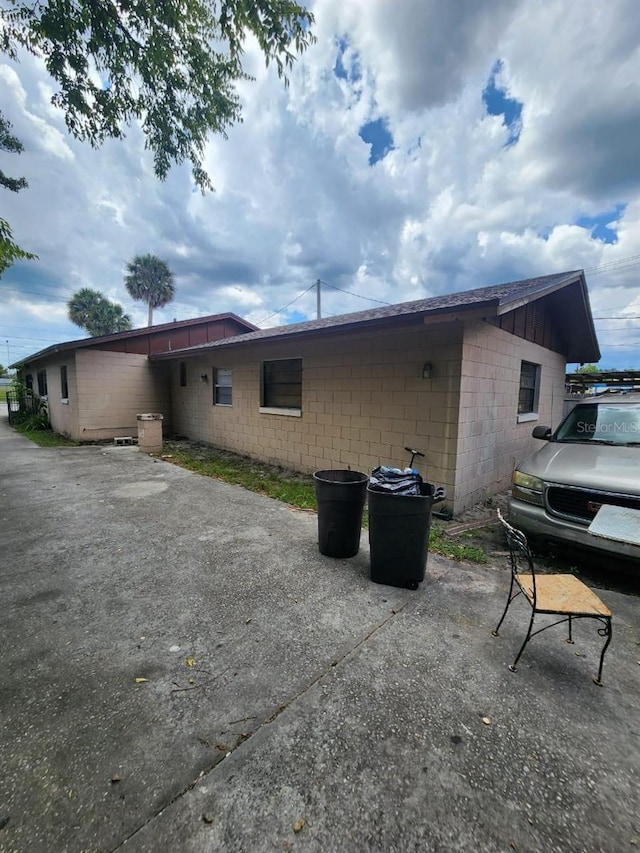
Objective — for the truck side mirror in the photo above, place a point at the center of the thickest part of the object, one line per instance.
(543, 432)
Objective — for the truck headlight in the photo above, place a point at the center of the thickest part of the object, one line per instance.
(527, 488)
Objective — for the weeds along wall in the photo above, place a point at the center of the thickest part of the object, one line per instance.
(364, 399)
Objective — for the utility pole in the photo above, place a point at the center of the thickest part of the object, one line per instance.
(318, 309)
(8, 356)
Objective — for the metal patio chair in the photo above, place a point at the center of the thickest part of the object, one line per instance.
(559, 595)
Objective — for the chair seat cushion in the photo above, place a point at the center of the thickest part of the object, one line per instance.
(562, 594)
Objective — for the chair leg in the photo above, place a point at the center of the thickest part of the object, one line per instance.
(510, 597)
(526, 640)
(570, 638)
(604, 632)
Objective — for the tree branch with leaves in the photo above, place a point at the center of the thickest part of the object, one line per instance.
(9, 249)
(173, 66)
(93, 312)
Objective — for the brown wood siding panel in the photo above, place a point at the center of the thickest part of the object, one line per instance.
(197, 335)
(114, 346)
(519, 321)
(137, 345)
(216, 331)
(170, 340)
(534, 322)
(529, 331)
(506, 322)
(232, 327)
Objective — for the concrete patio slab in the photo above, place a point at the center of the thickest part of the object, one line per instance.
(287, 701)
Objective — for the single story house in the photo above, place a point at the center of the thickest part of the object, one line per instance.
(95, 387)
(462, 377)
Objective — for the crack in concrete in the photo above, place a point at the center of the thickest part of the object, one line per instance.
(279, 710)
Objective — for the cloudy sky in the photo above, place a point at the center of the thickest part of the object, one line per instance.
(423, 147)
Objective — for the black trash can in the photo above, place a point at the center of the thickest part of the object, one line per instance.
(341, 497)
(399, 535)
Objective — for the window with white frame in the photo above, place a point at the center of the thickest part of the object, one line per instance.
(282, 384)
(529, 391)
(222, 386)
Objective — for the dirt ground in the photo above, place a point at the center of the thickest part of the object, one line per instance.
(479, 526)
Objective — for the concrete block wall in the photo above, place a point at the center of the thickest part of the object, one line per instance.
(113, 388)
(490, 440)
(63, 415)
(363, 400)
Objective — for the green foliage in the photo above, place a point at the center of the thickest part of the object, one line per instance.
(441, 544)
(9, 249)
(588, 368)
(150, 281)
(172, 65)
(45, 438)
(32, 413)
(10, 143)
(3, 371)
(90, 310)
(294, 489)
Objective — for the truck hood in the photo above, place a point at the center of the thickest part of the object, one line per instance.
(589, 466)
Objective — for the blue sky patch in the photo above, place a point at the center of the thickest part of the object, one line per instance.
(498, 103)
(351, 71)
(599, 225)
(377, 135)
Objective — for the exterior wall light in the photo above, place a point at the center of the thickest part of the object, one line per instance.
(204, 378)
(427, 369)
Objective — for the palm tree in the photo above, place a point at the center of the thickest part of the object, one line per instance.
(83, 305)
(150, 280)
(90, 310)
(109, 319)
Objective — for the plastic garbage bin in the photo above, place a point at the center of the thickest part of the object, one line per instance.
(341, 497)
(399, 534)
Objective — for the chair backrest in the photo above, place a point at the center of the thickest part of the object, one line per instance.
(519, 552)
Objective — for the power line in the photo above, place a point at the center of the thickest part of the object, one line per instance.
(615, 263)
(604, 270)
(358, 295)
(21, 291)
(280, 310)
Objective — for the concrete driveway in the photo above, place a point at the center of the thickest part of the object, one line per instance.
(287, 701)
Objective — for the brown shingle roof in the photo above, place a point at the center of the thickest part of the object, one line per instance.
(132, 333)
(497, 299)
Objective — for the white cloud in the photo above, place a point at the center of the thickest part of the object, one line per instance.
(451, 206)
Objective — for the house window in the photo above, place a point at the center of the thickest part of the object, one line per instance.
(28, 381)
(282, 384)
(42, 383)
(529, 389)
(64, 385)
(183, 374)
(222, 386)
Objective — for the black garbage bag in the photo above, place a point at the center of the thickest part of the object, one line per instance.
(395, 481)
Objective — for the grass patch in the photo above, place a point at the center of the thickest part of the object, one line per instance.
(286, 486)
(441, 544)
(3, 394)
(45, 438)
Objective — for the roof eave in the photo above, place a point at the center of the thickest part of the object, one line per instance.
(439, 314)
(512, 304)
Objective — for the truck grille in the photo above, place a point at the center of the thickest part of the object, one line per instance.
(583, 504)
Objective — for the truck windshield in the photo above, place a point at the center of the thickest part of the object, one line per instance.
(602, 423)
